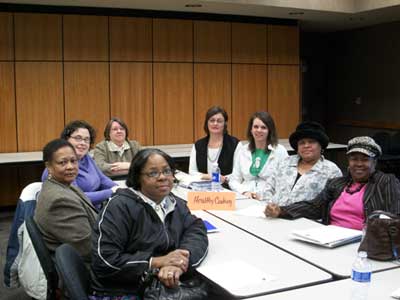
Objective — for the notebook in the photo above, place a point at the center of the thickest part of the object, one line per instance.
(210, 227)
(329, 236)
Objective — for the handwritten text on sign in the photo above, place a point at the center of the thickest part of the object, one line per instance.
(212, 200)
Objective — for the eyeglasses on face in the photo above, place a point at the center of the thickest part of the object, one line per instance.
(80, 139)
(155, 174)
(218, 121)
(118, 128)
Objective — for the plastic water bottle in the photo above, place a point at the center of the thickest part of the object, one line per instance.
(215, 177)
(361, 277)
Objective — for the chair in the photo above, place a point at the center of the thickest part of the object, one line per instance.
(44, 257)
(25, 208)
(73, 272)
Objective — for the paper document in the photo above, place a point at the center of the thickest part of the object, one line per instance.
(252, 211)
(328, 236)
(227, 276)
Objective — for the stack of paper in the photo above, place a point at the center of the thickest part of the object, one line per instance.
(328, 236)
(227, 276)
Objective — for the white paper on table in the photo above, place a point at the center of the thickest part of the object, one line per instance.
(235, 275)
(327, 235)
(252, 211)
(186, 179)
(396, 294)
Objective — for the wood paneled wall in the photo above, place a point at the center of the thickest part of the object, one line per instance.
(159, 75)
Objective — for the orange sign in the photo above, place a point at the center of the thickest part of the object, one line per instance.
(212, 200)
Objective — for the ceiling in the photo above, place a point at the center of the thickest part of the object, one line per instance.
(313, 15)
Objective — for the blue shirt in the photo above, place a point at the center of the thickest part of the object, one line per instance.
(91, 181)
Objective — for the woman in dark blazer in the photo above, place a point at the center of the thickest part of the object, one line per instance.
(63, 213)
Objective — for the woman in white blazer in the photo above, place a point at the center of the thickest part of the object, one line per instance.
(258, 158)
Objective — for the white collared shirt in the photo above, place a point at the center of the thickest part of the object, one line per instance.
(163, 208)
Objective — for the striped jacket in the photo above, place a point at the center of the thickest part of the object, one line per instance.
(382, 193)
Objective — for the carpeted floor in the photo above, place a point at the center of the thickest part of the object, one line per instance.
(6, 293)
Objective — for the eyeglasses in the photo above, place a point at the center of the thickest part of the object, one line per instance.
(80, 139)
(118, 128)
(63, 163)
(218, 121)
(156, 174)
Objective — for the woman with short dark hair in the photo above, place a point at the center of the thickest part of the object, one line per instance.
(145, 227)
(257, 159)
(90, 179)
(216, 147)
(63, 213)
(114, 154)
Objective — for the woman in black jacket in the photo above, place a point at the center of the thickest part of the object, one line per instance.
(216, 147)
(145, 227)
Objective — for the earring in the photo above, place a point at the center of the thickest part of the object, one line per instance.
(49, 176)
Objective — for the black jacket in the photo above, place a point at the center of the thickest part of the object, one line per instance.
(382, 193)
(129, 232)
(225, 160)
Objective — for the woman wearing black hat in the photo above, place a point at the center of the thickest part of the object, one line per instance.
(347, 201)
(302, 176)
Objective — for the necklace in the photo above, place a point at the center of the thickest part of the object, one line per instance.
(212, 160)
(349, 191)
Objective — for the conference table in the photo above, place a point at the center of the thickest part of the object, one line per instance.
(255, 256)
(337, 261)
(383, 284)
(244, 265)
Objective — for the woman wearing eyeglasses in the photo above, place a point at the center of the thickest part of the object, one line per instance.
(90, 179)
(145, 227)
(217, 146)
(114, 154)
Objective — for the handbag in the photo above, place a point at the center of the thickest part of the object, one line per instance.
(382, 236)
(192, 289)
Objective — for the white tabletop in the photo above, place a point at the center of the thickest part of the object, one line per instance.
(382, 286)
(231, 245)
(175, 151)
(337, 261)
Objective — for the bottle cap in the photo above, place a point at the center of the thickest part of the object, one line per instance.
(362, 254)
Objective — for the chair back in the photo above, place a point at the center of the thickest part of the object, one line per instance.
(395, 145)
(382, 138)
(25, 208)
(73, 272)
(44, 257)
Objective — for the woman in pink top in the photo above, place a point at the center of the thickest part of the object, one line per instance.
(347, 201)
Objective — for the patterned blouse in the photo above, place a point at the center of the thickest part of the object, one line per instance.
(281, 187)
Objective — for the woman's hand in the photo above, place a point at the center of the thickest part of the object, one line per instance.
(205, 177)
(178, 258)
(272, 210)
(169, 276)
(120, 167)
(251, 195)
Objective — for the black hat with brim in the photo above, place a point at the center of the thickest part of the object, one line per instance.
(311, 130)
